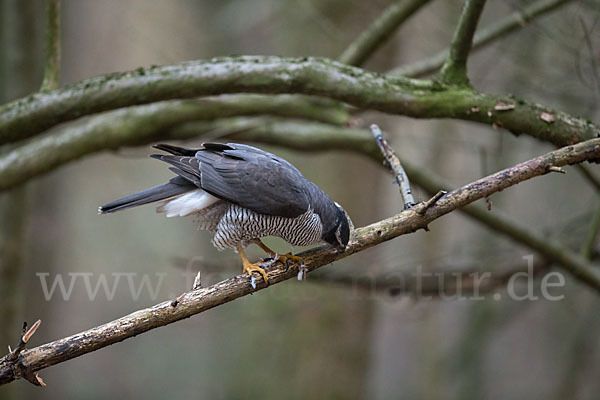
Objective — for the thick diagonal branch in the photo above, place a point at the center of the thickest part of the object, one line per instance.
(200, 300)
(286, 134)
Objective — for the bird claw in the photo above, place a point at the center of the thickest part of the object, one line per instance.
(250, 268)
(286, 259)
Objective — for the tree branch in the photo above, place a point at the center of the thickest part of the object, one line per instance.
(52, 68)
(359, 141)
(395, 166)
(431, 285)
(200, 300)
(454, 70)
(380, 31)
(144, 124)
(502, 28)
(322, 77)
(300, 136)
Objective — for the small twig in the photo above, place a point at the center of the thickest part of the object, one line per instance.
(27, 334)
(52, 68)
(423, 207)
(554, 168)
(196, 286)
(454, 70)
(380, 31)
(13, 359)
(197, 282)
(393, 162)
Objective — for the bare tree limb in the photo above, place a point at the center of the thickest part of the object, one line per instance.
(454, 70)
(322, 77)
(52, 68)
(200, 300)
(502, 28)
(380, 31)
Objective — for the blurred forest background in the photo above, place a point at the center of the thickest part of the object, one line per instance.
(307, 339)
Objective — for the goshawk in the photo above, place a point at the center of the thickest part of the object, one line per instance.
(242, 193)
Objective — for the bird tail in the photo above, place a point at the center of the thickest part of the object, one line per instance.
(174, 187)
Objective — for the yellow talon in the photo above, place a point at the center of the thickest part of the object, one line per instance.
(249, 267)
(283, 257)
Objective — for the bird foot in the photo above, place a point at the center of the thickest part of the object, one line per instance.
(286, 258)
(249, 268)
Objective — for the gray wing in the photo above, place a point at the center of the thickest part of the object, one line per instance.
(247, 176)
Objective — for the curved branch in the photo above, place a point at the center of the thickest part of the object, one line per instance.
(454, 70)
(502, 28)
(200, 300)
(144, 124)
(322, 77)
(380, 31)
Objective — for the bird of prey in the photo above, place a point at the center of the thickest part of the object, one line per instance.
(242, 193)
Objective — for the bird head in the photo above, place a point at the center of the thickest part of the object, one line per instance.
(338, 233)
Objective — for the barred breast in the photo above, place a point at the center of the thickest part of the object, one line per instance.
(240, 224)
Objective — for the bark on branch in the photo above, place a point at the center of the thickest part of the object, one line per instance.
(200, 300)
